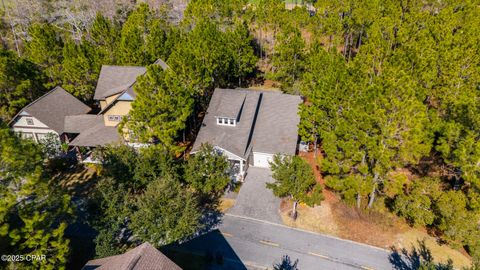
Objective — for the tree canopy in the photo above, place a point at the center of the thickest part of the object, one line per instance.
(33, 213)
(294, 179)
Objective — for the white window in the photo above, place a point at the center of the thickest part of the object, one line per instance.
(114, 118)
(41, 137)
(226, 121)
(27, 135)
(29, 121)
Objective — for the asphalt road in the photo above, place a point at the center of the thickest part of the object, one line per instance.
(246, 243)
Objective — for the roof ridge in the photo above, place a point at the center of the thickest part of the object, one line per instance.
(35, 101)
(266, 91)
(43, 96)
(126, 66)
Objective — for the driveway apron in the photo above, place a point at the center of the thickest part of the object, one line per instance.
(255, 200)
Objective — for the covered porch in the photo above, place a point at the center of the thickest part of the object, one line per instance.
(238, 165)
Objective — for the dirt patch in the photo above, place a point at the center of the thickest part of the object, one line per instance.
(267, 85)
(371, 228)
(225, 204)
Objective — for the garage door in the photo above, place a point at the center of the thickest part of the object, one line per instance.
(262, 160)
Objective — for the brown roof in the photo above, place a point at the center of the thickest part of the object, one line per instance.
(52, 108)
(120, 80)
(97, 134)
(81, 123)
(143, 257)
(116, 79)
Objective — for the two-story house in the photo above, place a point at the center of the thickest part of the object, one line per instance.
(114, 93)
(249, 127)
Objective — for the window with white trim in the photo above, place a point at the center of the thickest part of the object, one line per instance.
(29, 121)
(224, 121)
(115, 118)
(41, 136)
(27, 135)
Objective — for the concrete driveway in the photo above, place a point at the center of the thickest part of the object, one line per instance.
(255, 200)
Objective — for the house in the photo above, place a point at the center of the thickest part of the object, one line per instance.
(249, 127)
(46, 115)
(114, 93)
(143, 257)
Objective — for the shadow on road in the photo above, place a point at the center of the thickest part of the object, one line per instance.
(213, 249)
(418, 258)
(286, 264)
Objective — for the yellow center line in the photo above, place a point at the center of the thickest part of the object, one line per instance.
(269, 243)
(318, 255)
(366, 268)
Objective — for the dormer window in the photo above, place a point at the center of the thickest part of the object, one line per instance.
(115, 118)
(224, 121)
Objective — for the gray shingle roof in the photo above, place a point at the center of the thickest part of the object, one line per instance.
(97, 135)
(268, 122)
(116, 79)
(276, 128)
(81, 123)
(231, 104)
(233, 139)
(52, 108)
(143, 257)
(119, 79)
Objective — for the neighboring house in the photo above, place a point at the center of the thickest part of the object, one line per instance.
(249, 127)
(143, 257)
(114, 93)
(46, 115)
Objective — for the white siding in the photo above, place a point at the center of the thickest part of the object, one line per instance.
(228, 154)
(22, 121)
(38, 127)
(262, 159)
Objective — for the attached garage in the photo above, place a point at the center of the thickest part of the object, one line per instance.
(262, 159)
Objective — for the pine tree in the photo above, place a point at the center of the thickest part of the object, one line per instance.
(161, 109)
(44, 48)
(132, 46)
(294, 179)
(165, 213)
(79, 69)
(104, 37)
(20, 83)
(243, 60)
(33, 214)
(207, 172)
(288, 56)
